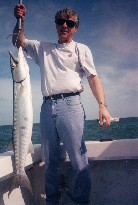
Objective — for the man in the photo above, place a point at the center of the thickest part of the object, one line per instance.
(62, 66)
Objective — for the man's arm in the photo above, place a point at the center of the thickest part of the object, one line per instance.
(18, 35)
(96, 87)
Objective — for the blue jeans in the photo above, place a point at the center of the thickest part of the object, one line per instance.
(63, 120)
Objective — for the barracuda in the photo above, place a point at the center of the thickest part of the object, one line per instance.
(22, 118)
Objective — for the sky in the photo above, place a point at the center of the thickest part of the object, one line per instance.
(108, 27)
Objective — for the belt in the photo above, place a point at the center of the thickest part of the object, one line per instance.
(59, 96)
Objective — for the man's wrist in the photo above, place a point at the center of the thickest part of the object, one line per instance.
(102, 103)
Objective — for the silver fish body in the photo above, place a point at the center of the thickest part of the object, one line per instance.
(22, 116)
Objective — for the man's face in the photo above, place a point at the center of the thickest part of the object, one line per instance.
(66, 29)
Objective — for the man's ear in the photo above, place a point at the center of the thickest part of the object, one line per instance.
(76, 28)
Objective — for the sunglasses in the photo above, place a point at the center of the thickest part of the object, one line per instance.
(69, 23)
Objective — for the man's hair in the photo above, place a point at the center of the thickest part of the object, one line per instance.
(67, 13)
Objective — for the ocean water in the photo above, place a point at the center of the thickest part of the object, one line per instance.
(126, 128)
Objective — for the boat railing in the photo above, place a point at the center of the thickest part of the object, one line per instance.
(104, 150)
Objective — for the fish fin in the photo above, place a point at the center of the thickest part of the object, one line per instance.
(31, 148)
(10, 146)
(26, 189)
(25, 183)
(14, 184)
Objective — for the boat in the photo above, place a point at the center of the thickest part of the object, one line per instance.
(114, 119)
(114, 174)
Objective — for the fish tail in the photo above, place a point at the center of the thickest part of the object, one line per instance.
(23, 182)
(14, 184)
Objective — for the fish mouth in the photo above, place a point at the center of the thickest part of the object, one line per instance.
(13, 59)
(10, 53)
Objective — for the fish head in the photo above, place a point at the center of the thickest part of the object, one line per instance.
(19, 66)
(13, 61)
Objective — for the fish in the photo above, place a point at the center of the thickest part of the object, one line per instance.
(22, 119)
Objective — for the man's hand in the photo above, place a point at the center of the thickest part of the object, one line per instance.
(18, 38)
(104, 116)
(19, 11)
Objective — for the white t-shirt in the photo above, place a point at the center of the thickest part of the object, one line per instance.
(59, 64)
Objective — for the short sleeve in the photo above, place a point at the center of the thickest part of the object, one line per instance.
(88, 64)
(86, 59)
(32, 47)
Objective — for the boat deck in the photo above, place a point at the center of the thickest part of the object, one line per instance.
(114, 175)
(114, 182)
